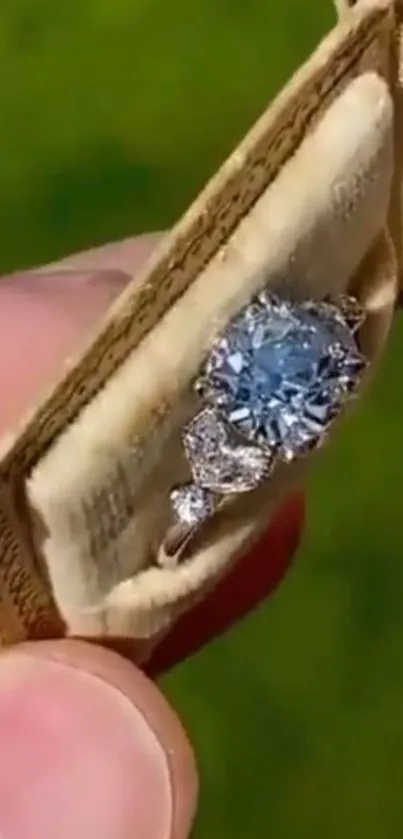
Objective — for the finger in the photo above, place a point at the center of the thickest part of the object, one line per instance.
(253, 579)
(124, 255)
(48, 314)
(89, 748)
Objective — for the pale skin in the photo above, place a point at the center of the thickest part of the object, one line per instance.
(90, 748)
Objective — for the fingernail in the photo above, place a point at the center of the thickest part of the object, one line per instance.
(78, 759)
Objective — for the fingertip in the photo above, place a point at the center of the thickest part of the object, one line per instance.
(91, 747)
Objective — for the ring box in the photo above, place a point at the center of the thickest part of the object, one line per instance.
(308, 204)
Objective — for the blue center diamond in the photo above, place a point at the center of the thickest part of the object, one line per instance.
(280, 371)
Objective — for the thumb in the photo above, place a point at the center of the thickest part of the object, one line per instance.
(89, 748)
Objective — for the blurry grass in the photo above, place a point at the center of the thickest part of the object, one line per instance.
(113, 114)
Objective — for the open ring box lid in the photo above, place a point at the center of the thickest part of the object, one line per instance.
(309, 203)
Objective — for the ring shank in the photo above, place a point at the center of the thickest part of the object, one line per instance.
(177, 536)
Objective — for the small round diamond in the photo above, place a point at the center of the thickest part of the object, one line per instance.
(280, 371)
(192, 504)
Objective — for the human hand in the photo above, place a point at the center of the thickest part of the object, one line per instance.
(89, 746)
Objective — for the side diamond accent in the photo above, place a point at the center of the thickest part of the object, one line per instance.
(217, 463)
(192, 504)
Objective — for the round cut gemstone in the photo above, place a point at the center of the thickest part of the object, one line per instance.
(192, 503)
(280, 371)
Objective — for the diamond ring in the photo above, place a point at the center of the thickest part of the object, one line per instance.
(272, 384)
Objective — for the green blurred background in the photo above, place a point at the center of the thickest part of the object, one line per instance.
(113, 114)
